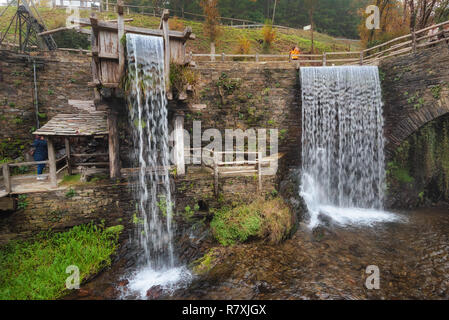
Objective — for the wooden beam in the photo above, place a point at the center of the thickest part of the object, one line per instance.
(67, 152)
(7, 178)
(166, 31)
(121, 34)
(178, 35)
(52, 163)
(95, 64)
(114, 147)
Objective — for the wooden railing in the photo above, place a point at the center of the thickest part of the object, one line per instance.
(215, 160)
(7, 177)
(409, 43)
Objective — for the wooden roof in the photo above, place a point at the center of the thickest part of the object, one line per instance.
(92, 124)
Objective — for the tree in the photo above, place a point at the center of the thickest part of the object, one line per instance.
(422, 12)
(310, 5)
(211, 26)
(392, 23)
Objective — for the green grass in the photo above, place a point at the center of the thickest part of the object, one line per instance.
(71, 179)
(227, 43)
(36, 269)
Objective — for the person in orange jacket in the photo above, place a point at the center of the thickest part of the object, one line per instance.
(294, 53)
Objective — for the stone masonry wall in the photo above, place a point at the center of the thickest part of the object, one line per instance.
(415, 90)
(115, 204)
(58, 210)
(245, 95)
(61, 76)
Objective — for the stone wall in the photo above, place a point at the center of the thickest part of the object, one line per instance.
(61, 76)
(245, 95)
(415, 90)
(61, 209)
(115, 204)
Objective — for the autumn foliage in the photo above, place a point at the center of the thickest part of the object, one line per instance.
(212, 23)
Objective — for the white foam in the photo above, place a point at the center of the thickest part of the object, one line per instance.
(168, 279)
(357, 216)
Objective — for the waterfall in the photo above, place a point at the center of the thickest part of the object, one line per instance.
(148, 113)
(343, 163)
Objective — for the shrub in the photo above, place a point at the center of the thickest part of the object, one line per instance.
(269, 35)
(265, 219)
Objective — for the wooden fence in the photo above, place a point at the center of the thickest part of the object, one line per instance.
(69, 165)
(214, 160)
(409, 43)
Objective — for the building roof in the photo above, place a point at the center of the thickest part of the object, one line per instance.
(92, 124)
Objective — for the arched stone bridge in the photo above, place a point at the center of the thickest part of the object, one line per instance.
(415, 90)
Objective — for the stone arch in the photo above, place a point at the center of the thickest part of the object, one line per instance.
(415, 90)
(413, 121)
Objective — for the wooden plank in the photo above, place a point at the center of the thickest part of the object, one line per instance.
(175, 35)
(86, 164)
(62, 169)
(114, 147)
(120, 35)
(83, 155)
(52, 164)
(20, 164)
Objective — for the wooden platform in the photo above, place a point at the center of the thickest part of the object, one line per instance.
(28, 184)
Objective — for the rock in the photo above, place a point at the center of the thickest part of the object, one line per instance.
(154, 292)
(123, 283)
(110, 293)
(83, 292)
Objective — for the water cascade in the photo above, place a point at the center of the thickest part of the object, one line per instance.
(147, 104)
(343, 163)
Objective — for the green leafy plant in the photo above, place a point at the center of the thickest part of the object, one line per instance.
(22, 201)
(436, 92)
(70, 194)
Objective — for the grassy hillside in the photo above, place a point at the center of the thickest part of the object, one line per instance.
(228, 42)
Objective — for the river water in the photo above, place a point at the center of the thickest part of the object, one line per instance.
(327, 263)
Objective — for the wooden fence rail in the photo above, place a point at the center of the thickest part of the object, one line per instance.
(398, 46)
(214, 161)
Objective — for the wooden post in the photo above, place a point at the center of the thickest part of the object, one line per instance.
(67, 153)
(361, 58)
(216, 174)
(166, 29)
(7, 178)
(414, 41)
(212, 51)
(121, 33)
(52, 163)
(324, 59)
(259, 170)
(257, 57)
(114, 147)
(179, 144)
(222, 57)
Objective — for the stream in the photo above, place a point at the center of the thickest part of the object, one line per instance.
(327, 263)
